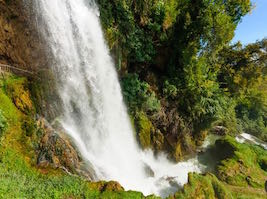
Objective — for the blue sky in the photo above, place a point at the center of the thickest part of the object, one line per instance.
(253, 26)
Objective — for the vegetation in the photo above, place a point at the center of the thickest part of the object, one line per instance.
(180, 77)
(243, 77)
(176, 55)
(19, 175)
(204, 186)
(139, 95)
(245, 162)
(3, 123)
(240, 173)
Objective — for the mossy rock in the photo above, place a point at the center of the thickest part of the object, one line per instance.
(16, 89)
(241, 164)
(107, 186)
(200, 138)
(145, 128)
(183, 147)
(29, 126)
(263, 163)
(158, 140)
(203, 186)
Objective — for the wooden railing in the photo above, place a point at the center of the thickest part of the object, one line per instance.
(17, 71)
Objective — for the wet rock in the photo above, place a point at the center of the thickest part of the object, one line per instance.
(220, 130)
(107, 186)
(149, 171)
(21, 46)
(56, 150)
(113, 186)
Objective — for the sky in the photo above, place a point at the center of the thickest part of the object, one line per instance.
(253, 26)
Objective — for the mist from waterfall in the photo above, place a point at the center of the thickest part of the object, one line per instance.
(94, 114)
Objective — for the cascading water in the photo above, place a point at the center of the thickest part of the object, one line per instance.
(94, 113)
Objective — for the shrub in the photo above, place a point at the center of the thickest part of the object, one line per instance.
(169, 90)
(138, 94)
(201, 97)
(251, 113)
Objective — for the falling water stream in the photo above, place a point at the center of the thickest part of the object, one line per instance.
(94, 114)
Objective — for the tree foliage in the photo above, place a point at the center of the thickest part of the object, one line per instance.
(181, 50)
(138, 94)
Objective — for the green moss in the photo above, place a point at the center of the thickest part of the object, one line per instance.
(239, 174)
(29, 126)
(19, 180)
(19, 176)
(246, 193)
(9, 111)
(209, 186)
(3, 123)
(263, 163)
(16, 90)
(203, 186)
(144, 127)
(241, 164)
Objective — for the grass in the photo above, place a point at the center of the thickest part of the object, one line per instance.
(241, 171)
(19, 176)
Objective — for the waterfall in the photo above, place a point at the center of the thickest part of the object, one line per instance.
(94, 114)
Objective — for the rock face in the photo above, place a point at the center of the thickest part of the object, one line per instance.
(173, 134)
(54, 150)
(240, 164)
(20, 44)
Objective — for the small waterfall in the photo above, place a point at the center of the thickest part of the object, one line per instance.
(94, 114)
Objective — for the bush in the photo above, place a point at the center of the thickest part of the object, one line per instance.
(227, 116)
(138, 94)
(169, 90)
(201, 98)
(251, 113)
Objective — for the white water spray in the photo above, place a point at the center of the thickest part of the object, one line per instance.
(94, 113)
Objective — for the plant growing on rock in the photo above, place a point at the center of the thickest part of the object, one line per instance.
(138, 94)
(3, 123)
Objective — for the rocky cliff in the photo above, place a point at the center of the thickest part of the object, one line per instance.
(20, 44)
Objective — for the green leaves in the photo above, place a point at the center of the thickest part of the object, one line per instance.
(205, 78)
(138, 94)
(170, 90)
(200, 99)
(242, 75)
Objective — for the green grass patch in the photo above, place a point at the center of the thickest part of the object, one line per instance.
(19, 176)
